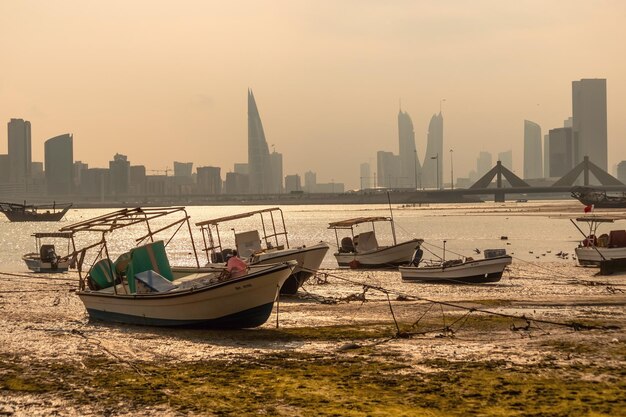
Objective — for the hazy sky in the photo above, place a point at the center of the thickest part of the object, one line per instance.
(167, 80)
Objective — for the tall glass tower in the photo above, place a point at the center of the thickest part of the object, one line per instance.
(409, 164)
(432, 169)
(259, 162)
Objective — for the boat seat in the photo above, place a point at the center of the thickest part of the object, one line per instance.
(346, 245)
(47, 253)
(145, 258)
(366, 242)
(151, 281)
(617, 239)
(248, 243)
(101, 275)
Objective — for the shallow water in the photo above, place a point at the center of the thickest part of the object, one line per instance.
(535, 231)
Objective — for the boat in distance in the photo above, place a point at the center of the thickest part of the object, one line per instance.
(269, 246)
(47, 259)
(598, 198)
(17, 212)
(363, 251)
(458, 271)
(141, 287)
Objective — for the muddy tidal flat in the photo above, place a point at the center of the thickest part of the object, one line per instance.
(556, 346)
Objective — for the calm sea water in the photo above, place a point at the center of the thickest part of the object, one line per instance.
(541, 227)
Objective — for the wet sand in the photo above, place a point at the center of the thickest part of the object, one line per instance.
(46, 331)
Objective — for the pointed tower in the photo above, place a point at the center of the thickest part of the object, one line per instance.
(259, 164)
(432, 169)
(409, 162)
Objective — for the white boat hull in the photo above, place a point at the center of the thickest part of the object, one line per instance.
(383, 257)
(33, 262)
(242, 302)
(588, 255)
(474, 271)
(309, 259)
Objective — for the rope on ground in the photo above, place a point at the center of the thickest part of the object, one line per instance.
(447, 329)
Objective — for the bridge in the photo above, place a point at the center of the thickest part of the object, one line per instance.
(506, 182)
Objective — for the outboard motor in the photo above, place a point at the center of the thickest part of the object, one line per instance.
(417, 256)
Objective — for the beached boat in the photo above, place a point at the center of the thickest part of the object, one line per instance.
(460, 271)
(594, 248)
(362, 250)
(599, 198)
(269, 246)
(16, 212)
(141, 287)
(47, 259)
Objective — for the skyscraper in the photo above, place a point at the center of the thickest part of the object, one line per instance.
(434, 157)
(19, 150)
(590, 121)
(506, 158)
(388, 167)
(409, 164)
(276, 162)
(119, 171)
(560, 151)
(59, 164)
(533, 162)
(259, 162)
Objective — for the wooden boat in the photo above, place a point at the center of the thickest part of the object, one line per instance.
(47, 259)
(141, 287)
(363, 251)
(458, 271)
(16, 212)
(599, 198)
(594, 248)
(271, 247)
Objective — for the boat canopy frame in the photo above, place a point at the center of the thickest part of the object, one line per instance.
(120, 219)
(349, 224)
(211, 231)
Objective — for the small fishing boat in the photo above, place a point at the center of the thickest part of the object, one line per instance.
(270, 247)
(459, 271)
(141, 287)
(47, 259)
(361, 250)
(17, 212)
(594, 248)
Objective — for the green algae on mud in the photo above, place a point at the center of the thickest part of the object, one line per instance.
(348, 384)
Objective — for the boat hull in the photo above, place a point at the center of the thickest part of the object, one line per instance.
(33, 262)
(589, 256)
(383, 257)
(242, 302)
(469, 272)
(309, 259)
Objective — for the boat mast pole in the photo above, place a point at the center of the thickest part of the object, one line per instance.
(583, 233)
(393, 227)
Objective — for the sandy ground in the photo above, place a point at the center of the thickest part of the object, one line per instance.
(41, 319)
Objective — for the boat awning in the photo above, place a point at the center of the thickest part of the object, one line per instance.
(236, 216)
(65, 235)
(599, 219)
(346, 224)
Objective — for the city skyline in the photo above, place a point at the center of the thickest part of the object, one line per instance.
(330, 105)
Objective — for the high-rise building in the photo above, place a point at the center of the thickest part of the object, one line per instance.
(560, 151)
(4, 168)
(484, 163)
(621, 171)
(209, 180)
(236, 183)
(59, 164)
(95, 183)
(533, 161)
(546, 155)
(366, 176)
(432, 168)
(589, 125)
(388, 169)
(276, 162)
(506, 158)
(259, 161)
(138, 180)
(409, 163)
(310, 181)
(292, 183)
(79, 168)
(19, 150)
(119, 169)
(183, 169)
